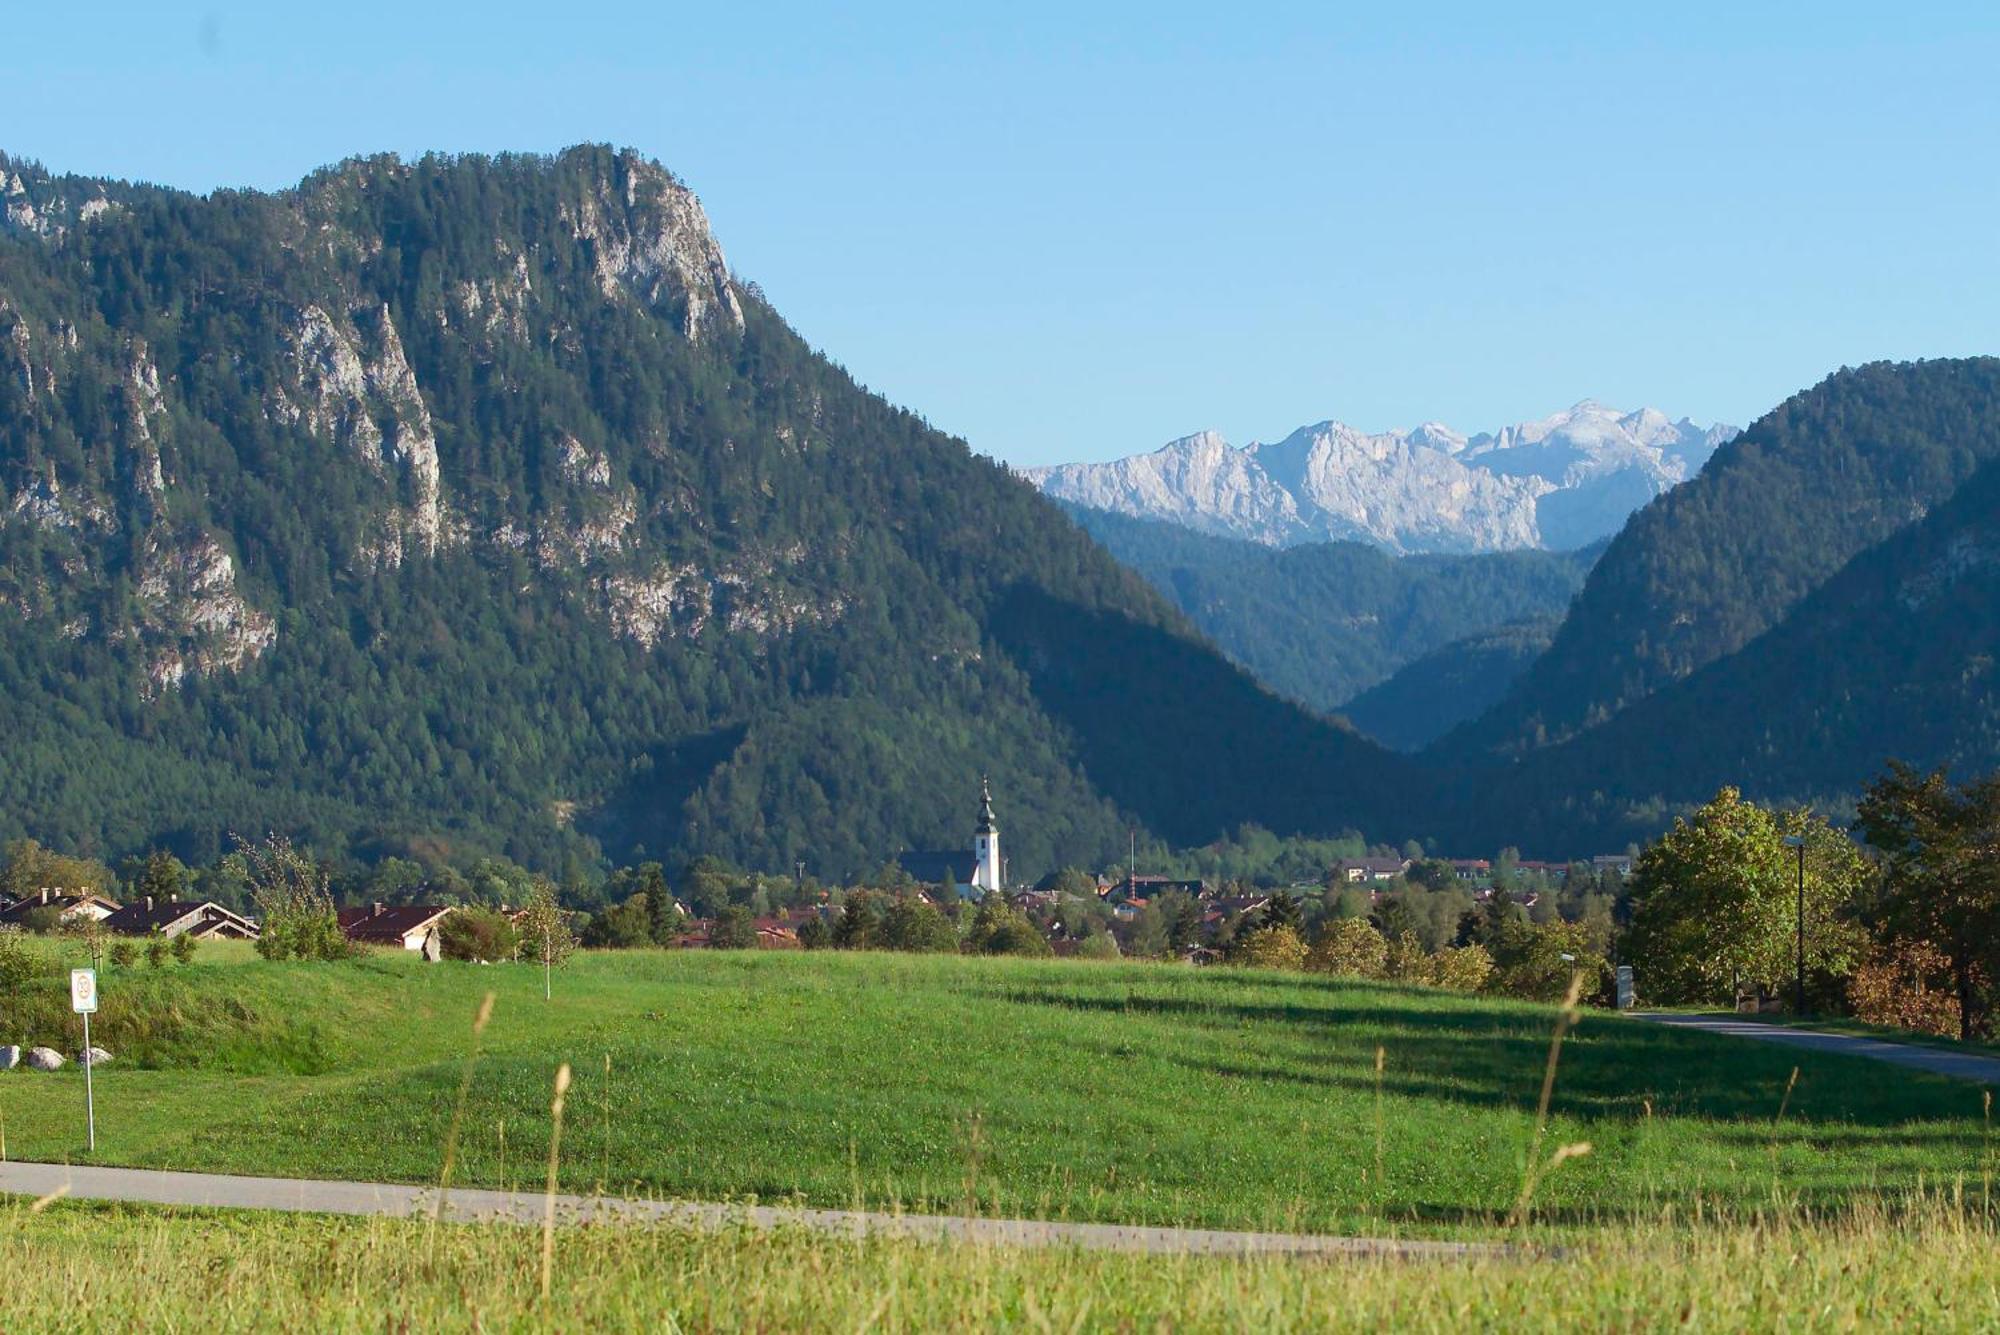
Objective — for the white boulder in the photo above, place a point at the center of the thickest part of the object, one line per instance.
(44, 1059)
(98, 1056)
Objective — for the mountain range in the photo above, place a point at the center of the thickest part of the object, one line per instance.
(1560, 483)
(473, 504)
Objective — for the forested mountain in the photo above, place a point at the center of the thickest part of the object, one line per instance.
(1894, 656)
(1714, 563)
(1322, 622)
(472, 502)
(1431, 695)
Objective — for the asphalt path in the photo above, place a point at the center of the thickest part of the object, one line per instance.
(1938, 1061)
(306, 1195)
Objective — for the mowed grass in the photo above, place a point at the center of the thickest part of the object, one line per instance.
(73, 1268)
(1129, 1092)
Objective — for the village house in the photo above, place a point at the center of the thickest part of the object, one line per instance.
(1143, 888)
(69, 905)
(1358, 870)
(407, 926)
(173, 916)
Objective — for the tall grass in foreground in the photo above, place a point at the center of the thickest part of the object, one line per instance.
(1936, 1266)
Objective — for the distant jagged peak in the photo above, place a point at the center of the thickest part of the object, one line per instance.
(1563, 480)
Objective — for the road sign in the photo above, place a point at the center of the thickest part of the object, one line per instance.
(83, 1000)
(1624, 987)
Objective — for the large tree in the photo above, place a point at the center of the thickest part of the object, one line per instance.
(1941, 875)
(1715, 900)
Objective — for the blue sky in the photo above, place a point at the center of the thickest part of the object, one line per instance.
(1070, 233)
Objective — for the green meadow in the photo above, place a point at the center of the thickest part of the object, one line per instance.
(1140, 1093)
(74, 1268)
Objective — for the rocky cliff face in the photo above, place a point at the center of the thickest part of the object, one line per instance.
(1561, 483)
(344, 378)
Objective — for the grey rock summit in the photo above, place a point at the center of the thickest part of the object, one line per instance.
(1561, 482)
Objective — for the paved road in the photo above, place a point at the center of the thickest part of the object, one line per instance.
(380, 1198)
(1939, 1061)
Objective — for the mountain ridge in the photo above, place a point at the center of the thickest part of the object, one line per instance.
(1561, 482)
(471, 501)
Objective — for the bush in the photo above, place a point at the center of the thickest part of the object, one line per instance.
(622, 927)
(913, 925)
(1407, 961)
(17, 965)
(1462, 968)
(998, 928)
(1351, 948)
(1529, 960)
(814, 934)
(184, 948)
(156, 952)
(290, 892)
(1099, 946)
(735, 928)
(124, 954)
(1273, 948)
(478, 934)
(1908, 987)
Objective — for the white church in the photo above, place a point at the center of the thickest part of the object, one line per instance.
(974, 876)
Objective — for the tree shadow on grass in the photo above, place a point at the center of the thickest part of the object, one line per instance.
(1610, 1067)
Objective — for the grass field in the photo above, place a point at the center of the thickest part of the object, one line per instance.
(1140, 1093)
(80, 1268)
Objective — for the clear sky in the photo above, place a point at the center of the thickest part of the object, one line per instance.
(1069, 231)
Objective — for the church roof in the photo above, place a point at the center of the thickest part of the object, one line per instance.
(937, 866)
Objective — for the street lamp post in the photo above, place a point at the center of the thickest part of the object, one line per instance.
(1798, 841)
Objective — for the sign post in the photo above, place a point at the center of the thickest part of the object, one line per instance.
(1624, 987)
(83, 1000)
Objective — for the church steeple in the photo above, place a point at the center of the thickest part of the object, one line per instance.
(986, 825)
(986, 844)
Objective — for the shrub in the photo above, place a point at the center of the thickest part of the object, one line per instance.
(478, 934)
(290, 891)
(998, 928)
(620, 927)
(1462, 968)
(1099, 946)
(1273, 948)
(156, 952)
(913, 925)
(859, 923)
(1407, 961)
(1536, 960)
(184, 947)
(735, 928)
(1908, 987)
(1351, 948)
(42, 920)
(124, 954)
(814, 934)
(17, 965)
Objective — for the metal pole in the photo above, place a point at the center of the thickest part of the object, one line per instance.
(1801, 994)
(89, 1093)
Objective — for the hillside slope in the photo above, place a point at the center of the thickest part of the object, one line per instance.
(1714, 563)
(1431, 695)
(1892, 657)
(473, 501)
(1322, 622)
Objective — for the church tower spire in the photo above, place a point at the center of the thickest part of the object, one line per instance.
(986, 843)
